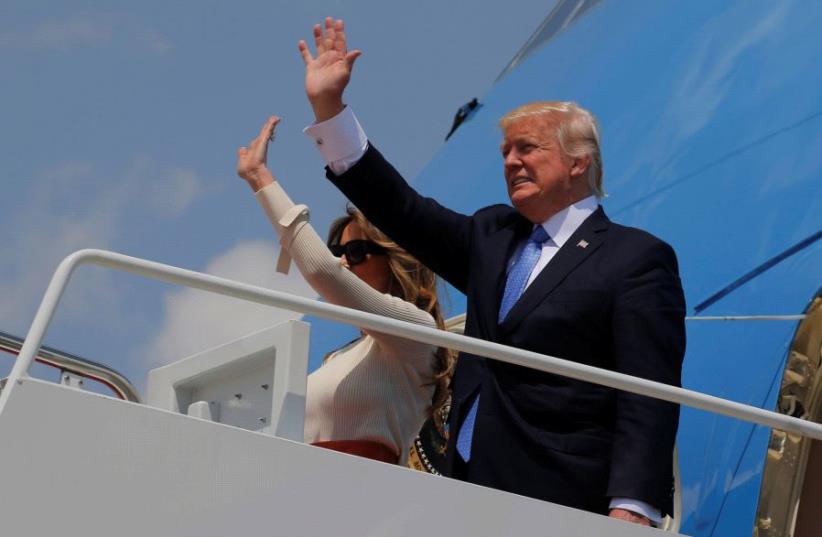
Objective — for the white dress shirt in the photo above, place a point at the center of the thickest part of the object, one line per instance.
(342, 142)
(559, 227)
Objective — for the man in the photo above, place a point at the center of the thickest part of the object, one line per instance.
(551, 275)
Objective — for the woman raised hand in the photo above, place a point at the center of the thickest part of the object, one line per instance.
(327, 75)
(252, 160)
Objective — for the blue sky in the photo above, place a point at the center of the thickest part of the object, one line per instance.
(120, 127)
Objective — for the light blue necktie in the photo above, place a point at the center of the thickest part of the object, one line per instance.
(514, 286)
(521, 270)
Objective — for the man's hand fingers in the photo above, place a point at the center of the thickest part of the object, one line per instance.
(351, 57)
(329, 24)
(628, 516)
(341, 45)
(306, 54)
(339, 32)
(330, 31)
(329, 34)
(319, 44)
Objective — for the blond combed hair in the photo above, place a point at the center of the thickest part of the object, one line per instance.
(412, 281)
(577, 133)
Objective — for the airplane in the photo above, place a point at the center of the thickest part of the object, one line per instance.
(710, 121)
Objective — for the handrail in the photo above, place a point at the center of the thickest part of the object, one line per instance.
(72, 363)
(799, 317)
(223, 286)
(457, 319)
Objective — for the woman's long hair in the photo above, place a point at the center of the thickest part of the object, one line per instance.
(412, 281)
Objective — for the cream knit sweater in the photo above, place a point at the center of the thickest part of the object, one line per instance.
(376, 388)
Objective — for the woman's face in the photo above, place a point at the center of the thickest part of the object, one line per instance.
(374, 270)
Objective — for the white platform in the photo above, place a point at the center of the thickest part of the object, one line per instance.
(78, 463)
(256, 382)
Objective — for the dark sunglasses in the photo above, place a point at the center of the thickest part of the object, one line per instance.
(356, 250)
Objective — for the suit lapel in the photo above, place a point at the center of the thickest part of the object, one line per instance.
(496, 250)
(584, 242)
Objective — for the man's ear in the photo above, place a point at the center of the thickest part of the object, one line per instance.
(580, 166)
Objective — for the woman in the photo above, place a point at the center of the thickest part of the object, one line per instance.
(370, 397)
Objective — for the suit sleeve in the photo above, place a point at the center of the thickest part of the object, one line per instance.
(649, 341)
(437, 236)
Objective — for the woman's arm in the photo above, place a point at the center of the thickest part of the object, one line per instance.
(320, 268)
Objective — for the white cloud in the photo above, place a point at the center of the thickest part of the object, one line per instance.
(73, 206)
(59, 34)
(85, 32)
(47, 227)
(176, 191)
(156, 42)
(196, 320)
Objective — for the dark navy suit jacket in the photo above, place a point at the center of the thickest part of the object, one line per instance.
(616, 303)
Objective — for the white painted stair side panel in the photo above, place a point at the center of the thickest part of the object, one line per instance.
(131, 470)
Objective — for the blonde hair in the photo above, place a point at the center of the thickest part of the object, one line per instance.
(412, 281)
(577, 133)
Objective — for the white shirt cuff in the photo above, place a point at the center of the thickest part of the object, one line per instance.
(340, 140)
(638, 507)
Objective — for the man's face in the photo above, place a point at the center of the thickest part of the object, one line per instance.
(541, 180)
